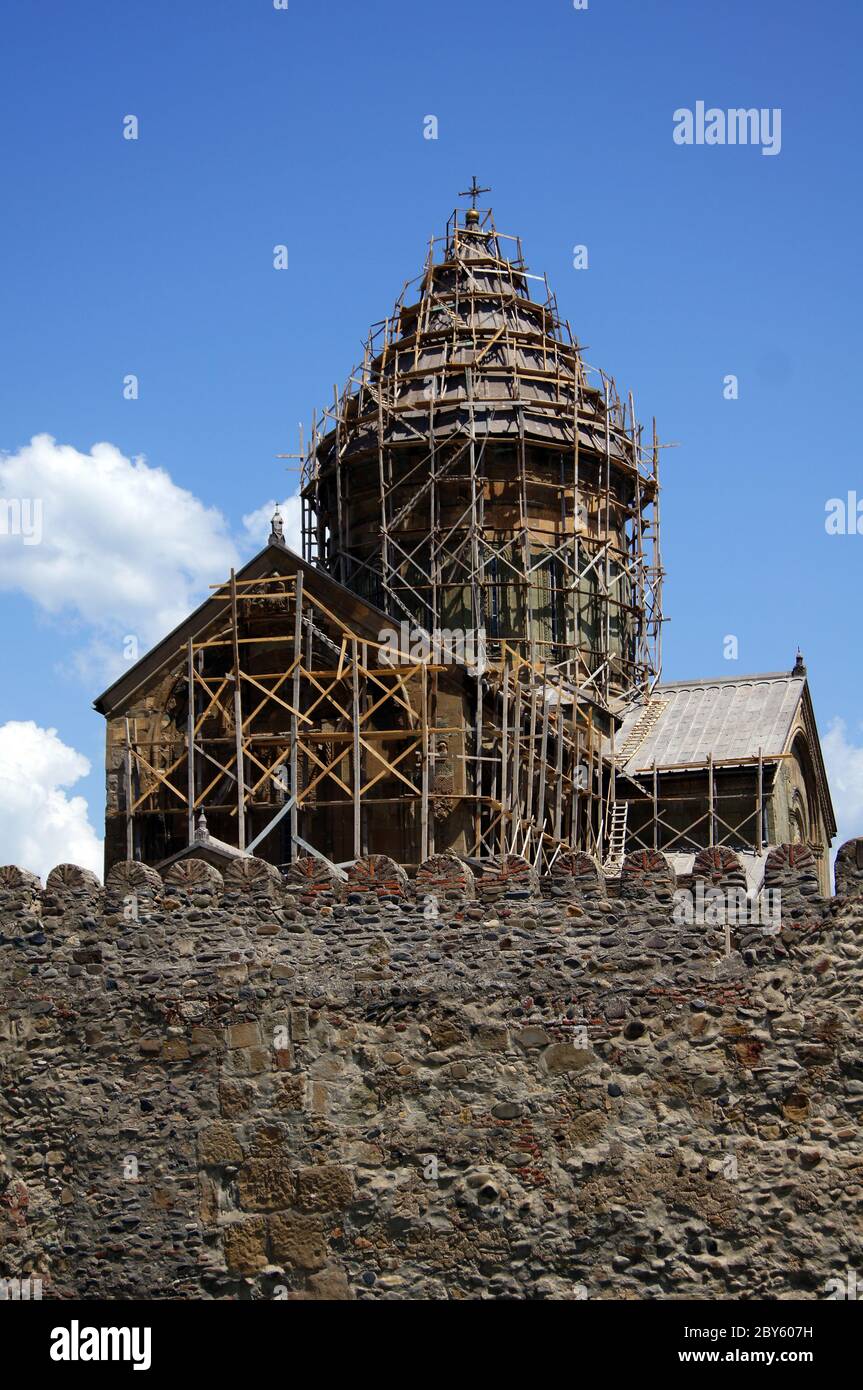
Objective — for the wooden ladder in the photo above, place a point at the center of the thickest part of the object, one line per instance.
(616, 838)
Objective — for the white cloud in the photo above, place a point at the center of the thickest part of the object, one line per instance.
(114, 547)
(257, 523)
(119, 554)
(844, 762)
(40, 826)
(119, 545)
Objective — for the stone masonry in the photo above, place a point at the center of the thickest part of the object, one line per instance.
(459, 1086)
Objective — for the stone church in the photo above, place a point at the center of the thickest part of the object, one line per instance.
(475, 485)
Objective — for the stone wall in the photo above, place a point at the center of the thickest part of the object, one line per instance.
(459, 1086)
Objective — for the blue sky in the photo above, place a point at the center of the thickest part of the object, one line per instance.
(304, 126)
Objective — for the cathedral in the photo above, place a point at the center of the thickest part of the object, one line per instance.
(466, 656)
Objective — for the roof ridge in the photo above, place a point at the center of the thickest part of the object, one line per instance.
(732, 680)
(726, 719)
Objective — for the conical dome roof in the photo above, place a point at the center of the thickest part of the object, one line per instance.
(475, 474)
(468, 331)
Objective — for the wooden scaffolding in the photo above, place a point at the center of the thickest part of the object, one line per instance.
(477, 480)
(295, 729)
(474, 472)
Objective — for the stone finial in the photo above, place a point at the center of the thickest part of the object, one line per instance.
(277, 528)
(202, 830)
(799, 668)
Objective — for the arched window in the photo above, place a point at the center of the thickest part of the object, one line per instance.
(804, 803)
(799, 819)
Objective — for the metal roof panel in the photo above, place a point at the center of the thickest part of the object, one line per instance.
(725, 718)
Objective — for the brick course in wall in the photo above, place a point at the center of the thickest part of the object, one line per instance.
(260, 1086)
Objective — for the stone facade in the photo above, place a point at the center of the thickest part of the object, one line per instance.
(452, 1086)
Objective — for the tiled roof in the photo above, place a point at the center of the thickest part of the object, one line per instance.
(686, 721)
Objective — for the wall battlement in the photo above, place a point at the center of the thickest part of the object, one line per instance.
(463, 1086)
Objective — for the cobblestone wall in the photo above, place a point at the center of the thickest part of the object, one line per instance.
(460, 1086)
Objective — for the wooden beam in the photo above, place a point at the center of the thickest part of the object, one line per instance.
(238, 719)
(127, 768)
(504, 758)
(298, 637)
(190, 741)
(424, 808)
(357, 782)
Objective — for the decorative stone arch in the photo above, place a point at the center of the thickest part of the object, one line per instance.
(646, 871)
(513, 874)
(128, 877)
(518, 872)
(803, 811)
(15, 880)
(798, 818)
(444, 875)
(788, 859)
(309, 874)
(253, 877)
(194, 876)
(793, 869)
(71, 878)
(849, 868)
(378, 874)
(575, 871)
(719, 865)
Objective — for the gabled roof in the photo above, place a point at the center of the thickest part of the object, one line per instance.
(730, 718)
(362, 617)
(204, 846)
